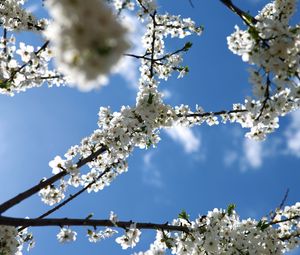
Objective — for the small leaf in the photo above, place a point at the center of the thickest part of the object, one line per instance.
(148, 144)
(4, 84)
(150, 98)
(186, 69)
(254, 33)
(294, 30)
(183, 215)
(262, 225)
(230, 209)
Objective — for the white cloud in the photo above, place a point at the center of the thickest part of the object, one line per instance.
(185, 136)
(166, 94)
(253, 154)
(151, 175)
(249, 154)
(128, 67)
(292, 135)
(32, 8)
(230, 157)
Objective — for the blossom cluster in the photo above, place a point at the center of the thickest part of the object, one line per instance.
(123, 4)
(87, 40)
(272, 45)
(66, 235)
(218, 232)
(9, 243)
(14, 17)
(130, 238)
(138, 126)
(13, 239)
(94, 236)
(23, 67)
(52, 195)
(155, 61)
(222, 232)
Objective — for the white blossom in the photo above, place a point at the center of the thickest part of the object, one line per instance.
(94, 236)
(130, 238)
(66, 235)
(87, 40)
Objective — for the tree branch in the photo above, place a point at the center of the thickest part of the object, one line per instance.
(12, 221)
(266, 99)
(246, 17)
(273, 214)
(5, 41)
(28, 193)
(71, 197)
(205, 114)
(153, 44)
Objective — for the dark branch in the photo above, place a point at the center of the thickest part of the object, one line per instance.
(246, 17)
(11, 221)
(191, 3)
(206, 114)
(71, 197)
(153, 44)
(5, 41)
(28, 193)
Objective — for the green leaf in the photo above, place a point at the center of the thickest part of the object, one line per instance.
(4, 84)
(230, 209)
(148, 144)
(262, 224)
(254, 33)
(150, 98)
(294, 30)
(183, 215)
(186, 69)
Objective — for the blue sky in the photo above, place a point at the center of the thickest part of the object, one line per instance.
(195, 170)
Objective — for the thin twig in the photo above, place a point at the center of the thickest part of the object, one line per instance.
(284, 199)
(266, 99)
(284, 220)
(71, 197)
(205, 114)
(191, 3)
(280, 207)
(11, 78)
(5, 41)
(153, 44)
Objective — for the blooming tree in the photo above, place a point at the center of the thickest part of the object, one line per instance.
(85, 40)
